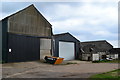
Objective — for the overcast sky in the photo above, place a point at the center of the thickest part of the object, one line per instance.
(87, 21)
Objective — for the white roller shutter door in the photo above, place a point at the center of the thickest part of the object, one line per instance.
(67, 50)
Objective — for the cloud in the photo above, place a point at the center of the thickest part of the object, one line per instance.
(114, 43)
(86, 20)
(92, 14)
(68, 24)
(105, 33)
(92, 11)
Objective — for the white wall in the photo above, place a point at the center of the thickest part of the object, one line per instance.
(85, 56)
(45, 48)
(116, 56)
(95, 57)
(113, 56)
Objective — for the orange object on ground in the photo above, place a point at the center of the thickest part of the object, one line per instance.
(53, 60)
(59, 60)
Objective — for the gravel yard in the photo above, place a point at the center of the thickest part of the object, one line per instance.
(36, 69)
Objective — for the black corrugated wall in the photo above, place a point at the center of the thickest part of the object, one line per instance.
(66, 38)
(23, 48)
(4, 40)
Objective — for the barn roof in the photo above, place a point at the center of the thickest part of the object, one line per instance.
(63, 34)
(98, 46)
(94, 41)
(25, 9)
(114, 50)
(99, 41)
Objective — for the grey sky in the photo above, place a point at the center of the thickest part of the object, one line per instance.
(85, 20)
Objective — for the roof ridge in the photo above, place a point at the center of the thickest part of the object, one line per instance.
(94, 41)
(61, 33)
(64, 34)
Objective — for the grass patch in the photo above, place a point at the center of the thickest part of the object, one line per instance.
(107, 61)
(111, 75)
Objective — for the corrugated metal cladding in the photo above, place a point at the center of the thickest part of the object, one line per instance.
(86, 57)
(4, 39)
(23, 48)
(95, 57)
(100, 46)
(66, 37)
(45, 48)
(29, 22)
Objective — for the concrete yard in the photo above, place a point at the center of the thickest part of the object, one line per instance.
(36, 69)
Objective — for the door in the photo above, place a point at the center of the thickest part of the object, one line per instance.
(23, 48)
(104, 57)
(45, 48)
(67, 50)
(88, 58)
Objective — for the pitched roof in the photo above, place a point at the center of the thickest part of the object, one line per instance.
(94, 41)
(23, 10)
(102, 41)
(62, 34)
(114, 50)
(98, 46)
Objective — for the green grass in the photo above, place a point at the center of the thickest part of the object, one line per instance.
(110, 75)
(107, 61)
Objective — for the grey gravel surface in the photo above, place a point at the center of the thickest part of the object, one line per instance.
(36, 69)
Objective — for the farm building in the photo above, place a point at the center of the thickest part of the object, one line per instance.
(95, 50)
(66, 46)
(114, 53)
(26, 36)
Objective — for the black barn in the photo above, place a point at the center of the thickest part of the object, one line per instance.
(26, 35)
(65, 45)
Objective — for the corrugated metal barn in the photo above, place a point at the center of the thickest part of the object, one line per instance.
(114, 53)
(23, 48)
(95, 49)
(66, 46)
(26, 35)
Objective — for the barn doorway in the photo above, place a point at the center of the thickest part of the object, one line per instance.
(67, 50)
(88, 58)
(45, 48)
(104, 56)
(22, 48)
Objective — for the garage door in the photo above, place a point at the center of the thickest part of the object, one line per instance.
(66, 50)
